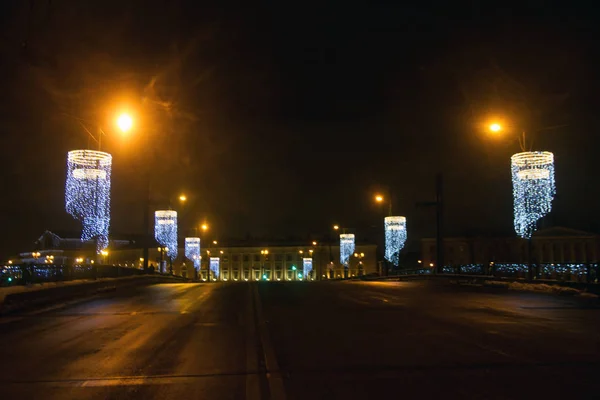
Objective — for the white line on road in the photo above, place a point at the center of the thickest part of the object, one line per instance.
(276, 386)
(252, 379)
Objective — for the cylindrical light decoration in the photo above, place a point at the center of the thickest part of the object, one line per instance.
(307, 266)
(192, 250)
(165, 230)
(346, 247)
(395, 237)
(87, 193)
(214, 266)
(533, 189)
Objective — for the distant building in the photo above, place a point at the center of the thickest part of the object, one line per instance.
(556, 245)
(241, 260)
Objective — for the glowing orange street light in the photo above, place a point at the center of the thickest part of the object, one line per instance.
(182, 197)
(336, 227)
(125, 122)
(495, 127)
(204, 227)
(378, 198)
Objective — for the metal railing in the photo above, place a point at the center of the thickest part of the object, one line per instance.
(40, 273)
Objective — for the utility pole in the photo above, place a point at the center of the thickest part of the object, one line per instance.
(439, 208)
(439, 220)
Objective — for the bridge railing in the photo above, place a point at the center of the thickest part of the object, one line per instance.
(40, 273)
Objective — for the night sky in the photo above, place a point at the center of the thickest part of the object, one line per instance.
(280, 118)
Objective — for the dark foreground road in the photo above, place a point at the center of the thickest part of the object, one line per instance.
(305, 341)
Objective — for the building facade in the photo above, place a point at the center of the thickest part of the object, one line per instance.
(245, 261)
(548, 246)
(253, 263)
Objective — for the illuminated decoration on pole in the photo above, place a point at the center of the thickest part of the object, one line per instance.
(533, 189)
(307, 266)
(214, 266)
(346, 247)
(395, 238)
(192, 250)
(87, 193)
(165, 230)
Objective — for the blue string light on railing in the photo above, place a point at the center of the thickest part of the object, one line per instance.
(192, 250)
(165, 230)
(533, 189)
(87, 193)
(347, 245)
(395, 238)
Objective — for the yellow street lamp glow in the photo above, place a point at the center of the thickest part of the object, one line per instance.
(204, 227)
(182, 197)
(300, 251)
(214, 242)
(125, 122)
(362, 254)
(336, 227)
(221, 251)
(378, 198)
(314, 243)
(495, 127)
(104, 252)
(10, 261)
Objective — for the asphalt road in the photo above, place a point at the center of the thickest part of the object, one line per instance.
(299, 340)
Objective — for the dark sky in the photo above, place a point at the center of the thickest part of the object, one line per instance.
(281, 118)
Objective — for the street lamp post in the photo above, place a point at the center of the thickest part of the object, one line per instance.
(264, 254)
(380, 199)
(208, 259)
(439, 220)
(162, 250)
(533, 190)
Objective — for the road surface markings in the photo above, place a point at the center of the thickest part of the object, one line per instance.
(252, 366)
(128, 380)
(276, 387)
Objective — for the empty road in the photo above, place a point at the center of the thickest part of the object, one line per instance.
(324, 340)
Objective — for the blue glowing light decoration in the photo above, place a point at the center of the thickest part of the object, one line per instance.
(395, 238)
(192, 250)
(214, 267)
(346, 247)
(165, 230)
(307, 266)
(87, 193)
(533, 189)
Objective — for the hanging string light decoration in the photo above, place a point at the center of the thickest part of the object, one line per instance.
(214, 266)
(533, 189)
(346, 247)
(395, 238)
(87, 193)
(192, 250)
(307, 266)
(165, 230)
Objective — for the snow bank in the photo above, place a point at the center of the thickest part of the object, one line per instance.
(540, 288)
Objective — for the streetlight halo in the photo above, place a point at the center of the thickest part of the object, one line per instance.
(495, 127)
(124, 122)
